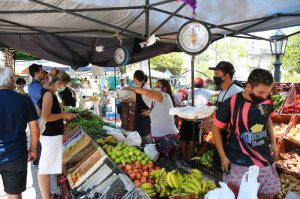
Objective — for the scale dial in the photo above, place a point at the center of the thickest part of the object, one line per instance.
(193, 37)
(121, 56)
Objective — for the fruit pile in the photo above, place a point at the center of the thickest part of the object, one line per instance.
(294, 133)
(139, 173)
(290, 161)
(175, 184)
(205, 159)
(293, 107)
(277, 101)
(125, 154)
(288, 183)
(109, 139)
(279, 129)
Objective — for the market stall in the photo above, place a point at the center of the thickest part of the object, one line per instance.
(101, 160)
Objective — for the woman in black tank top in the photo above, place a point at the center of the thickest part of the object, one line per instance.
(51, 138)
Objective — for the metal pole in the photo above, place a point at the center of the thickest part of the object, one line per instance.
(149, 69)
(115, 99)
(146, 18)
(192, 79)
(277, 63)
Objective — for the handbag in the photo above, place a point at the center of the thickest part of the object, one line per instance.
(42, 123)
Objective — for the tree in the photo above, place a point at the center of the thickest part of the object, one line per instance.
(291, 58)
(172, 61)
(230, 49)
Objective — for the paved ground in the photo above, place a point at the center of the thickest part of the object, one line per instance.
(32, 191)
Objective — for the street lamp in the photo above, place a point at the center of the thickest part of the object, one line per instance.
(278, 46)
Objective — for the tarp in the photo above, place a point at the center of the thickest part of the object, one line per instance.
(168, 72)
(68, 31)
(154, 73)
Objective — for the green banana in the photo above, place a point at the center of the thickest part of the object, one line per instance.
(186, 188)
(146, 186)
(151, 194)
(157, 187)
(210, 184)
(193, 186)
(163, 192)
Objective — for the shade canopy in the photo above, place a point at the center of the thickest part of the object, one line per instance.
(68, 31)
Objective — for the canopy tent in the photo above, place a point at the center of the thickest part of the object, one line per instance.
(154, 73)
(20, 56)
(168, 73)
(68, 31)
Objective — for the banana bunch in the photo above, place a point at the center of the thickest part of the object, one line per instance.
(162, 191)
(174, 179)
(196, 174)
(211, 184)
(148, 189)
(157, 173)
(100, 141)
(162, 178)
(205, 159)
(110, 139)
(194, 186)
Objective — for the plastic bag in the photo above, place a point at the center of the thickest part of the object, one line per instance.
(249, 185)
(190, 112)
(122, 94)
(136, 194)
(151, 151)
(133, 139)
(115, 132)
(220, 193)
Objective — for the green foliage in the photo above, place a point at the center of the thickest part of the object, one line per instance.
(90, 123)
(291, 58)
(229, 49)
(172, 61)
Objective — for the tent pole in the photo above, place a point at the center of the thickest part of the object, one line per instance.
(69, 10)
(115, 99)
(192, 79)
(149, 69)
(146, 18)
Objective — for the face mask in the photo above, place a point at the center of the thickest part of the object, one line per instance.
(157, 89)
(218, 81)
(61, 89)
(256, 99)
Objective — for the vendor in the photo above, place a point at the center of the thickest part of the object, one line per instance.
(163, 128)
(104, 102)
(245, 117)
(188, 133)
(223, 78)
(141, 122)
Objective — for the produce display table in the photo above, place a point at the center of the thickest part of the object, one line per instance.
(97, 166)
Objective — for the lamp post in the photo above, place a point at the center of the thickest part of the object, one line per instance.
(278, 46)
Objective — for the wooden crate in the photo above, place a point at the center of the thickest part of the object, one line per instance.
(282, 89)
(281, 120)
(295, 90)
(295, 121)
(285, 147)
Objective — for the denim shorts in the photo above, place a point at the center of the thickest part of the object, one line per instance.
(14, 176)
